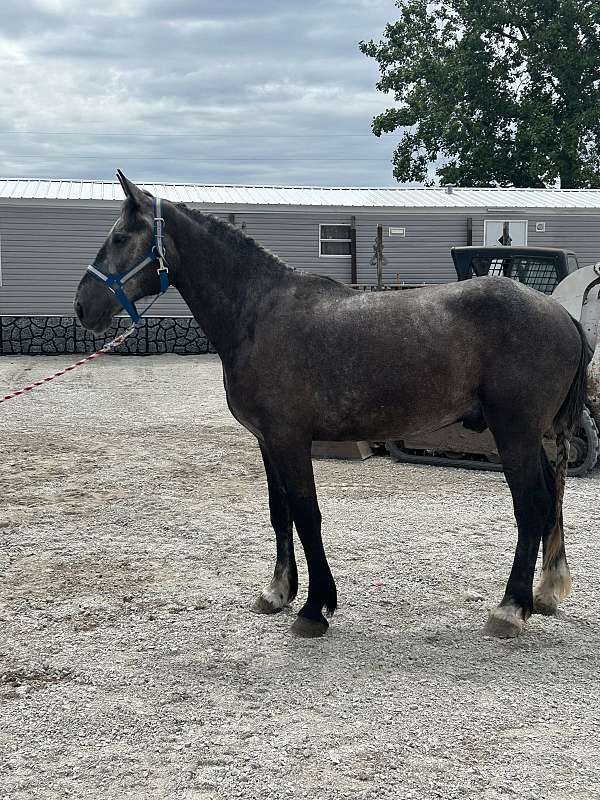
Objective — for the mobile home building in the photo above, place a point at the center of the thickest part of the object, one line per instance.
(51, 229)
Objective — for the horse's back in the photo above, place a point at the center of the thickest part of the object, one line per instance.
(493, 316)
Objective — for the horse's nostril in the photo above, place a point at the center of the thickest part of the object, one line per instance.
(79, 309)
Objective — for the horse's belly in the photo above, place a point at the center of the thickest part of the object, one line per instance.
(393, 421)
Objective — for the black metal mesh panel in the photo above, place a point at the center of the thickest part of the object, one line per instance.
(496, 266)
(537, 273)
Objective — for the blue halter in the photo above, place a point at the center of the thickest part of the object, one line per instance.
(115, 281)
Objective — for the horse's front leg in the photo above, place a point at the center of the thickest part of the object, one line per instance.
(284, 585)
(290, 456)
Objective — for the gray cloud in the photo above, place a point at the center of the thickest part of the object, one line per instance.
(196, 91)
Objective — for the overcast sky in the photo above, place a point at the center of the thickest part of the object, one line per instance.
(227, 91)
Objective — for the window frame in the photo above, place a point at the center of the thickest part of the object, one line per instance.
(502, 221)
(348, 240)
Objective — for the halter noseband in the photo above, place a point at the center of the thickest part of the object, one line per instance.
(115, 281)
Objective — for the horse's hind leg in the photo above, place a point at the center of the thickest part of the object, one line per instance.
(555, 582)
(284, 584)
(534, 506)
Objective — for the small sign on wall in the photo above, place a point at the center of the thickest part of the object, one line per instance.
(540, 227)
(397, 232)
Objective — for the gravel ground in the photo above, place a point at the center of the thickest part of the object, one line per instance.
(134, 536)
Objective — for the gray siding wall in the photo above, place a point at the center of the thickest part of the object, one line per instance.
(569, 230)
(294, 237)
(422, 256)
(45, 248)
(44, 252)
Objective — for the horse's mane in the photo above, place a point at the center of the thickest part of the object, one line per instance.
(216, 226)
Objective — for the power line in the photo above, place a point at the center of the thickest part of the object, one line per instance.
(222, 136)
(249, 159)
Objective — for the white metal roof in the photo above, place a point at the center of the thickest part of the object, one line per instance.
(223, 194)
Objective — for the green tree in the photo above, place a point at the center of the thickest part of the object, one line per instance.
(493, 93)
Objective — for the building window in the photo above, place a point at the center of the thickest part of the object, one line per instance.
(335, 241)
(493, 230)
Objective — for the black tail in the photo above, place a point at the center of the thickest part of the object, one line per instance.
(570, 412)
(565, 422)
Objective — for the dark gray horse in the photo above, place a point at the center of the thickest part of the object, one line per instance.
(305, 357)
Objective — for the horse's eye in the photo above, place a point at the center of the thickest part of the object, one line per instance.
(120, 238)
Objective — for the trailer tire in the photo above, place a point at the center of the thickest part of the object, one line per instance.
(585, 446)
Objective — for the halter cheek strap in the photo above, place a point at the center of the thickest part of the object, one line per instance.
(115, 280)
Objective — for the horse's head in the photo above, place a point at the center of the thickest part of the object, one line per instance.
(131, 243)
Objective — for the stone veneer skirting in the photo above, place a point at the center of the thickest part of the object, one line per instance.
(57, 335)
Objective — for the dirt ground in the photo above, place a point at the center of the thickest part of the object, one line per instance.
(134, 535)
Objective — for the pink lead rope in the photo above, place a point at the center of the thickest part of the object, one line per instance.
(107, 347)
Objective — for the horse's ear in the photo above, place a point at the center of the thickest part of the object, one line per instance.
(136, 197)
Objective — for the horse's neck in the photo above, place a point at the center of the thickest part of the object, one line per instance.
(222, 282)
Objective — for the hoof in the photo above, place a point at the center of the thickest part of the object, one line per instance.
(309, 628)
(263, 605)
(553, 587)
(545, 605)
(505, 622)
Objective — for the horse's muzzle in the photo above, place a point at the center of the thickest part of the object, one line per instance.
(95, 316)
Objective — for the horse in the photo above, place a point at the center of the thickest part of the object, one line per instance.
(305, 357)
